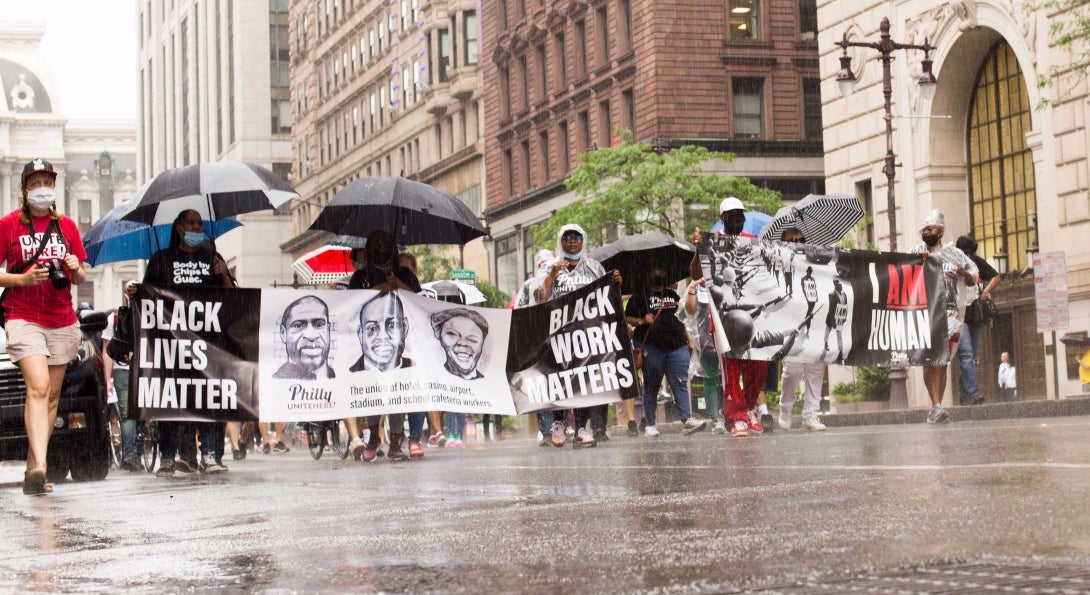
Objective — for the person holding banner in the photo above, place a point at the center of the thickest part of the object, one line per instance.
(666, 350)
(955, 265)
(571, 271)
(382, 332)
(189, 260)
(43, 332)
(812, 374)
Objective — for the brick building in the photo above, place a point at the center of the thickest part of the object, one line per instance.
(559, 77)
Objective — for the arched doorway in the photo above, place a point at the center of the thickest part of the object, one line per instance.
(1003, 207)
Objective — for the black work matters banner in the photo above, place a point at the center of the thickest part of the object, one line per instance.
(573, 351)
(777, 300)
(195, 353)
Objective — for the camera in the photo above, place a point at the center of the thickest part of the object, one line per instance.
(57, 276)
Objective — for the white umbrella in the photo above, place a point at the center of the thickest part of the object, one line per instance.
(822, 218)
(439, 290)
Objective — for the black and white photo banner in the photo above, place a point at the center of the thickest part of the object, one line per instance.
(290, 355)
(778, 300)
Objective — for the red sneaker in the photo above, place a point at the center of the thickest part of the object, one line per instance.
(739, 429)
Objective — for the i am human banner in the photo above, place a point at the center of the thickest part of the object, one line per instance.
(574, 351)
(776, 300)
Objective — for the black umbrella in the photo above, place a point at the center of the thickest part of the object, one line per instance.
(634, 255)
(1076, 339)
(822, 218)
(215, 190)
(413, 212)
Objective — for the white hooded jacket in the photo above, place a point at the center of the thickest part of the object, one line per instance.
(579, 273)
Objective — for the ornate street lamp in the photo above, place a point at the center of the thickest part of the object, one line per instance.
(898, 393)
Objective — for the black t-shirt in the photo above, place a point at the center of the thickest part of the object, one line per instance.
(667, 332)
(370, 276)
(987, 273)
(174, 266)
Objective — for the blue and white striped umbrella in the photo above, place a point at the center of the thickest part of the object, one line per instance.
(822, 218)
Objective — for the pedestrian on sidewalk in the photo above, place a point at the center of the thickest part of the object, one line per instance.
(1008, 378)
(957, 269)
(969, 346)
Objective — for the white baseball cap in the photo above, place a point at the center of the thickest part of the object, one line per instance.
(731, 203)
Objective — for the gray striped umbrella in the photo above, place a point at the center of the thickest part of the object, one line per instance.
(822, 218)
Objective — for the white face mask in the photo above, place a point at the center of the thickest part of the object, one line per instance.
(41, 198)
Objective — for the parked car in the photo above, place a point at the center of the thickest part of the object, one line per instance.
(81, 442)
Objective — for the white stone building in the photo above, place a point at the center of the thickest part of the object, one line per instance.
(986, 150)
(214, 86)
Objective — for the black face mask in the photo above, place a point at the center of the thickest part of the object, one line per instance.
(734, 223)
(930, 240)
(658, 281)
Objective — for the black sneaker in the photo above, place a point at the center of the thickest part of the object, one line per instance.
(183, 466)
(166, 469)
(281, 447)
(633, 432)
(600, 435)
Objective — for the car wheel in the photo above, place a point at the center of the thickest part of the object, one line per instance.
(93, 462)
(57, 460)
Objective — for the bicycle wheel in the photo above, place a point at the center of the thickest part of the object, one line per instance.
(147, 438)
(314, 439)
(338, 434)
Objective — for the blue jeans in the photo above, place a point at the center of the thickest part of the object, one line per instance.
(455, 425)
(128, 426)
(674, 364)
(416, 425)
(968, 385)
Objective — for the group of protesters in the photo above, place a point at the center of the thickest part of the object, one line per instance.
(673, 331)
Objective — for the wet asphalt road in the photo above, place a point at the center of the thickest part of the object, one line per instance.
(703, 513)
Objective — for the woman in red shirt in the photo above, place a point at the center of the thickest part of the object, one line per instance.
(44, 255)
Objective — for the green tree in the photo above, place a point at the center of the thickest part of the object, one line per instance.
(431, 265)
(1069, 29)
(496, 297)
(630, 188)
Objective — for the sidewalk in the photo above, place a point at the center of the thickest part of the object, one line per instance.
(1075, 405)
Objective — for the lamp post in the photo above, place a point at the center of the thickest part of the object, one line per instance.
(898, 392)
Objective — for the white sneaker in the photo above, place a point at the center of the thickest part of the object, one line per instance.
(784, 420)
(719, 428)
(813, 424)
(692, 425)
(355, 448)
(651, 432)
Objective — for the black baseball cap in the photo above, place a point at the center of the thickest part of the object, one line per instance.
(35, 166)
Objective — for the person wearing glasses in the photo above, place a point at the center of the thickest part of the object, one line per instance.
(811, 374)
(571, 271)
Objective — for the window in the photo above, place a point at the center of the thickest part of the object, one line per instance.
(580, 49)
(561, 61)
(504, 24)
(808, 20)
(1002, 185)
(355, 124)
(601, 18)
(444, 55)
(507, 264)
(540, 83)
(505, 93)
(628, 104)
(524, 83)
(562, 148)
(605, 125)
(508, 174)
(584, 132)
(543, 148)
(743, 19)
(747, 107)
(624, 26)
(524, 177)
(811, 108)
(469, 24)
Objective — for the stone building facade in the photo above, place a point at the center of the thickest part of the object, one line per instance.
(214, 85)
(385, 89)
(560, 76)
(1003, 158)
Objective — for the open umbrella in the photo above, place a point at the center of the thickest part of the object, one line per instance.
(413, 212)
(215, 190)
(755, 222)
(324, 265)
(113, 239)
(634, 255)
(822, 218)
(1079, 339)
(453, 291)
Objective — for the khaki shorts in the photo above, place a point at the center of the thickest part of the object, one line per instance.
(59, 345)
